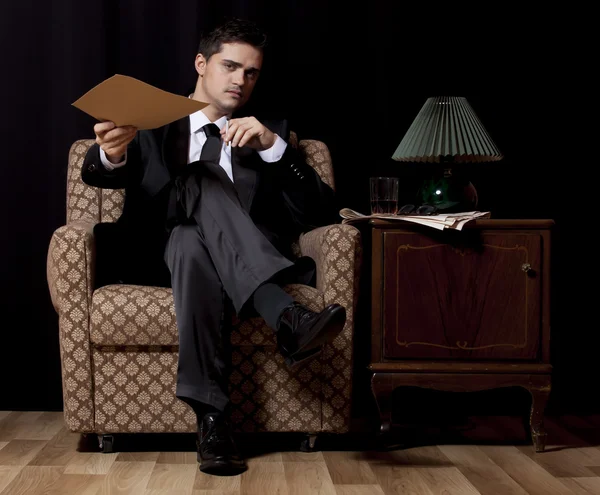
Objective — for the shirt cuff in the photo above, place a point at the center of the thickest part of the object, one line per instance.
(107, 163)
(275, 152)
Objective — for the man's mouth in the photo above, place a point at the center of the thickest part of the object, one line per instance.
(236, 94)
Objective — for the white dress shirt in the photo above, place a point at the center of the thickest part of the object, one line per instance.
(198, 138)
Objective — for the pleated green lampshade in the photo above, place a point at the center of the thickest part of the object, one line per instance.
(447, 129)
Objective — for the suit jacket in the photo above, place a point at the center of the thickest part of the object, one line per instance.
(283, 198)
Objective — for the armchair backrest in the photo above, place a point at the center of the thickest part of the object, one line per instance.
(106, 205)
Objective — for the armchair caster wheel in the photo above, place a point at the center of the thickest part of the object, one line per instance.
(106, 443)
(308, 443)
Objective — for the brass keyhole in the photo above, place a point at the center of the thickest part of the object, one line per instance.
(526, 267)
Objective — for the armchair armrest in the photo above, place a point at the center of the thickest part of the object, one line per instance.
(69, 271)
(337, 251)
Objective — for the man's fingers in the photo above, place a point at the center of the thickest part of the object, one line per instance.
(235, 124)
(241, 120)
(235, 136)
(103, 127)
(247, 136)
(233, 129)
(118, 135)
(238, 136)
(242, 133)
(115, 147)
(239, 132)
(225, 133)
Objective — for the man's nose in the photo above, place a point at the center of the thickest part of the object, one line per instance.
(238, 77)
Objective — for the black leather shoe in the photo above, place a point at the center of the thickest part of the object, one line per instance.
(301, 332)
(217, 453)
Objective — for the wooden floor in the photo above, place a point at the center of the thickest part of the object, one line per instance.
(488, 456)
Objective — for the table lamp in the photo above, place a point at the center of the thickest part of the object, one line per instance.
(447, 132)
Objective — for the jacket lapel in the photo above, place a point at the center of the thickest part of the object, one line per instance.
(161, 164)
(245, 175)
(174, 145)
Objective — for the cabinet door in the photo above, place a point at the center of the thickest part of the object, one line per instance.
(470, 297)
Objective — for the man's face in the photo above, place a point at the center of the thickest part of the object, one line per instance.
(228, 77)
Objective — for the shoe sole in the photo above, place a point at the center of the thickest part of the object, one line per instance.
(325, 330)
(222, 467)
(299, 358)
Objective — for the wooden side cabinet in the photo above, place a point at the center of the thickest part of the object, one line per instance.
(462, 310)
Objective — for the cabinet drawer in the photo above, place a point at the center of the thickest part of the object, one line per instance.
(469, 299)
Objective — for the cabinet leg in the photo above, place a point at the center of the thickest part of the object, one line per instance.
(308, 443)
(539, 399)
(382, 388)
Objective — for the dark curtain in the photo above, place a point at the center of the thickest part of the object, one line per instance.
(354, 79)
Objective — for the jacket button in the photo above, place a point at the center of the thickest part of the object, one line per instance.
(92, 167)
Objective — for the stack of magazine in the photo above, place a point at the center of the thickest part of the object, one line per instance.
(439, 221)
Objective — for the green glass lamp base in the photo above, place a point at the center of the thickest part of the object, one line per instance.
(449, 193)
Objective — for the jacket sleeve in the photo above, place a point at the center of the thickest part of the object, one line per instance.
(94, 173)
(311, 202)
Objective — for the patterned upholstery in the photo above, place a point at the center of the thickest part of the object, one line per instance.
(119, 348)
(125, 315)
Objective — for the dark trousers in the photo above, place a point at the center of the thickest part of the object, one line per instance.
(216, 258)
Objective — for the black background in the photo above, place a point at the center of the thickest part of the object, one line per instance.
(353, 78)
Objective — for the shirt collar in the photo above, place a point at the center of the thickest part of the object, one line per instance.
(199, 119)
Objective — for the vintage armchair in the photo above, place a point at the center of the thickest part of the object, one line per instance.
(119, 343)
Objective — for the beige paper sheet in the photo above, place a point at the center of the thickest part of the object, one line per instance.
(125, 100)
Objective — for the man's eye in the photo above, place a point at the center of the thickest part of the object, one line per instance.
(228, 65)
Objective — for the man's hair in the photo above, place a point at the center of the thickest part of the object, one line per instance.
(232, 31)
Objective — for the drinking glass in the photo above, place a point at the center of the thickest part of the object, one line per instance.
(384, 195)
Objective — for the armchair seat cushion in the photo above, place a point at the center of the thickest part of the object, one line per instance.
(135, 315)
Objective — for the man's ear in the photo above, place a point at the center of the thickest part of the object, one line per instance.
(200, 64)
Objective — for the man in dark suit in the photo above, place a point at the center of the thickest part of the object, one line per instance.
(212, 205)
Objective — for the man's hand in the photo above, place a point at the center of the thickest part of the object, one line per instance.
(114, 140)
(249, 132)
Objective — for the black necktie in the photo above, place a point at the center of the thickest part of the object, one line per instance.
(211, 151)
